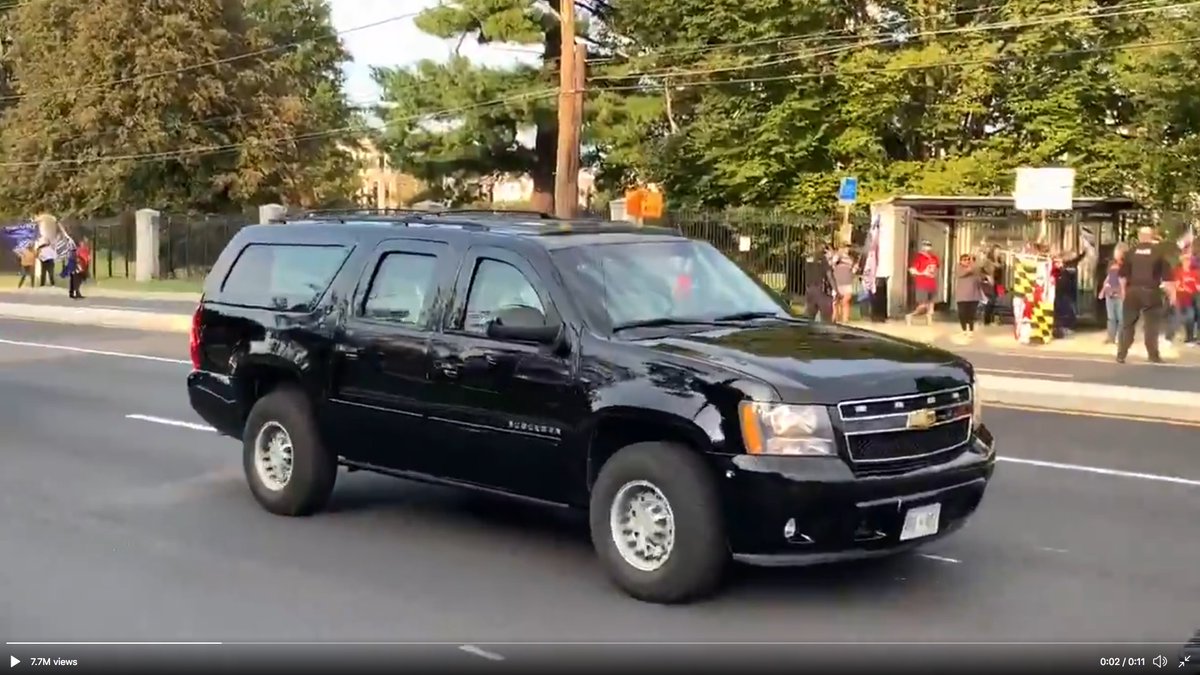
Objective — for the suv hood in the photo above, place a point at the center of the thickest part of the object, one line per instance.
(822, 363)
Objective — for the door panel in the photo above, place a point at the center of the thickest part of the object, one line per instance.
(505, 406)
(382, 375)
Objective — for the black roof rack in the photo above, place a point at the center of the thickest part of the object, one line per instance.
(512, 213)
(360, 212)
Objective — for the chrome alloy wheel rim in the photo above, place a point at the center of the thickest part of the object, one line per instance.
(642, 525)
(273, 456)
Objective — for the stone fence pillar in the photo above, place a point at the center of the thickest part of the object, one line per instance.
(270, 213)
(147, 235)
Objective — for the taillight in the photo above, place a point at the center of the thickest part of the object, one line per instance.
(194, 340)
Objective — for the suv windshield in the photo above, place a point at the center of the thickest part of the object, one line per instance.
(662, 281)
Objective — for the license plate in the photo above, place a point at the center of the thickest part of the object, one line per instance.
(921, 521)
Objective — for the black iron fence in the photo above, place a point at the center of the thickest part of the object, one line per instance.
(188, 245)
(769, 244)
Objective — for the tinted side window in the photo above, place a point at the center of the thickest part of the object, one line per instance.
(402, 285)
(285, 277)
(496, 286)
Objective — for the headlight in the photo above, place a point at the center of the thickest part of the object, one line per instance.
(977, 403)
(782, 429)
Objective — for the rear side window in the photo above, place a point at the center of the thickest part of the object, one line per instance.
(283, 277)
(401, 289)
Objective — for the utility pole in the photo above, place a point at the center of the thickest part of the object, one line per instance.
(570, 118)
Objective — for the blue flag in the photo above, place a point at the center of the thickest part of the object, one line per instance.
(19, 236)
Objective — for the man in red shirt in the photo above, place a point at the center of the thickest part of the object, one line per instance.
(1186, 282)
(924, 270)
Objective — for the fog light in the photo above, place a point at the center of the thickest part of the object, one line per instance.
(789, 528)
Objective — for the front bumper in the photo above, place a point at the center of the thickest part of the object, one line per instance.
(839, 515)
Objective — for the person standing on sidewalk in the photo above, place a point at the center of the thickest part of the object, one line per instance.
(1110, 293)
(1143, 272)
(1183, 314)
(28, 259)
(843, 278)
(46, 256)
(967, 293)
(818, 287)
(924, 268)
(991, 269)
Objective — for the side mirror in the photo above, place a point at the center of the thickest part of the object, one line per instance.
(547, 335)
(524, 324)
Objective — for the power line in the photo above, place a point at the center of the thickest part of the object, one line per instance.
(200, 151)
(911, 67)
(850, 33)
(796, 37)
(795, 56)
(185, 69)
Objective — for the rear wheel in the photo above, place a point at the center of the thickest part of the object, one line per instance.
(289, 471)
(656, 523)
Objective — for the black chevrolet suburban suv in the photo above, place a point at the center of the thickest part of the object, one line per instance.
(624, 370)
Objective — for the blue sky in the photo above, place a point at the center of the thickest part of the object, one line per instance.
(398, 43)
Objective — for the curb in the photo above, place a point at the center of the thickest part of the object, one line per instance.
(1086, 397)
(105, 318)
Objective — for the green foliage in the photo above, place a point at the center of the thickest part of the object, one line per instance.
(300, 95)
(118, 107)
(431, 134)
(976, 89)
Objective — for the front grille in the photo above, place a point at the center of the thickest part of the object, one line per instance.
(899, 405)
(892, 445)
(902, 466)
(881, 437)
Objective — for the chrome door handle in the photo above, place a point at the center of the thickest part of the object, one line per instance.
(450, 370)
(350, 352)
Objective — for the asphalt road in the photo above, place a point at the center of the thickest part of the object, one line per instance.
(117, 529)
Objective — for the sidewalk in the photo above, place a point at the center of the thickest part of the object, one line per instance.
(999, 339)
(100, 291)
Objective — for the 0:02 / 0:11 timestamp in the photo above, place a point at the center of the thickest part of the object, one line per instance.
(1122, 661)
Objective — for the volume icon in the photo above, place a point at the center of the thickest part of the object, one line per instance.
(1160, 661)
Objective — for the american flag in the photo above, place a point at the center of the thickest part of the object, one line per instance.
(871, 264)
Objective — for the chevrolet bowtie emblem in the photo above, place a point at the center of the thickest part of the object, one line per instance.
(921, 419)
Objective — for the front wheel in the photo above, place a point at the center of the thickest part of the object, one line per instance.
(656, 523)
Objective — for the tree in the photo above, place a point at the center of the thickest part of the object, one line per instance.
(770, 105)
(111, 102)
(433, 133)
(299, 95)
(192, 106)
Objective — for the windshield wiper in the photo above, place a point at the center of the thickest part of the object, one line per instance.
(662, 321)
(746, 316)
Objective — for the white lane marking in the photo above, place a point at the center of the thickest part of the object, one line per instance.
(170, 422)
(939, 558)
(1052, 550)
(1034, 373)
(95, 352)
(1102, 471)
(472, 649)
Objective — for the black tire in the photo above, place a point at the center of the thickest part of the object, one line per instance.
(696, 564)
(314, 469)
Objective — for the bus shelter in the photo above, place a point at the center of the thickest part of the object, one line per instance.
(958, 225)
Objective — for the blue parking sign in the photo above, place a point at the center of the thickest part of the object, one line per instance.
(848, 192)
